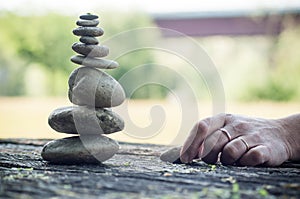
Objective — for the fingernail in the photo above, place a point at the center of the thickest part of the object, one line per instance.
(200, 151)
(183, 155)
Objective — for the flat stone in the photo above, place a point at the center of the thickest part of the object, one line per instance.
(88, 16)
(90, 50)
(172, 155)
(88, 31)
(89, 40)
(92, 149)
(94, 62)
(85, 121)
(87, 23)
(92, 87)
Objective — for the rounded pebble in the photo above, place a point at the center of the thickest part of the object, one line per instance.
(84, 120)
(90, 50)
(88, 16)
(87, 23)
(172, 155)
(88, 31)
(89, 40)
(91, 149)
(92, 87)
(94, 62)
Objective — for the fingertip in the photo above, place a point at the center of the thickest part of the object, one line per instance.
(185, 160)
(255, 156)
(200, 151)
(184, 156)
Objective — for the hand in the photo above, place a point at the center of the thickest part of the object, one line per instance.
(243, 140)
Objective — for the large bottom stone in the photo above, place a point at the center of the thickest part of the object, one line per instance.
(91, 149)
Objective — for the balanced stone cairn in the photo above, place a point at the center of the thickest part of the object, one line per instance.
(93, 92)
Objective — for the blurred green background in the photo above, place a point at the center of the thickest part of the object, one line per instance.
(260, 74)
(35, 52)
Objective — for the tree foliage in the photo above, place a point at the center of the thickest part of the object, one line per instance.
(46, 40)
(282, 82)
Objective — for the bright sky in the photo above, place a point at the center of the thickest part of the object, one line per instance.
(151, 6)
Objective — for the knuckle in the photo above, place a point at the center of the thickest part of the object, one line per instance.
(229, 118)
(257, 137)
(230, 152)
(201, 126)
(229, 115)
(257, 156)
(240, 127)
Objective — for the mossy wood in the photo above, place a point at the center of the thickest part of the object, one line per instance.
(136, 172)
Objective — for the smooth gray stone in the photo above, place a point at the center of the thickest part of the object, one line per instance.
(87, 23)
(94, 62)
(88, 16)
(89, 40)
(84, 121)
(92, 87)
(90, 50)
(91, 149)
(172, 155)
(88, 31)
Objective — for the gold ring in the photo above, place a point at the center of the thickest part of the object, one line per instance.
(226, 133)
(246, 144)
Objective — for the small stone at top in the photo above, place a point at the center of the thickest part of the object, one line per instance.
(88, 16)
(87, 23)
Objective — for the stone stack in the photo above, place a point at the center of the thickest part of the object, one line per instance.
(93, 92)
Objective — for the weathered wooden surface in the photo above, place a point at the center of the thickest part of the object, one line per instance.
(136, 172)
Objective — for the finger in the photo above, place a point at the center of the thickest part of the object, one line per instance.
(213, 145)
(201, 130)
(234, 150)
(255, 156)
(192, 146)
(230, 132)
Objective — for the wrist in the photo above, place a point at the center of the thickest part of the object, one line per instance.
(291, 131)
